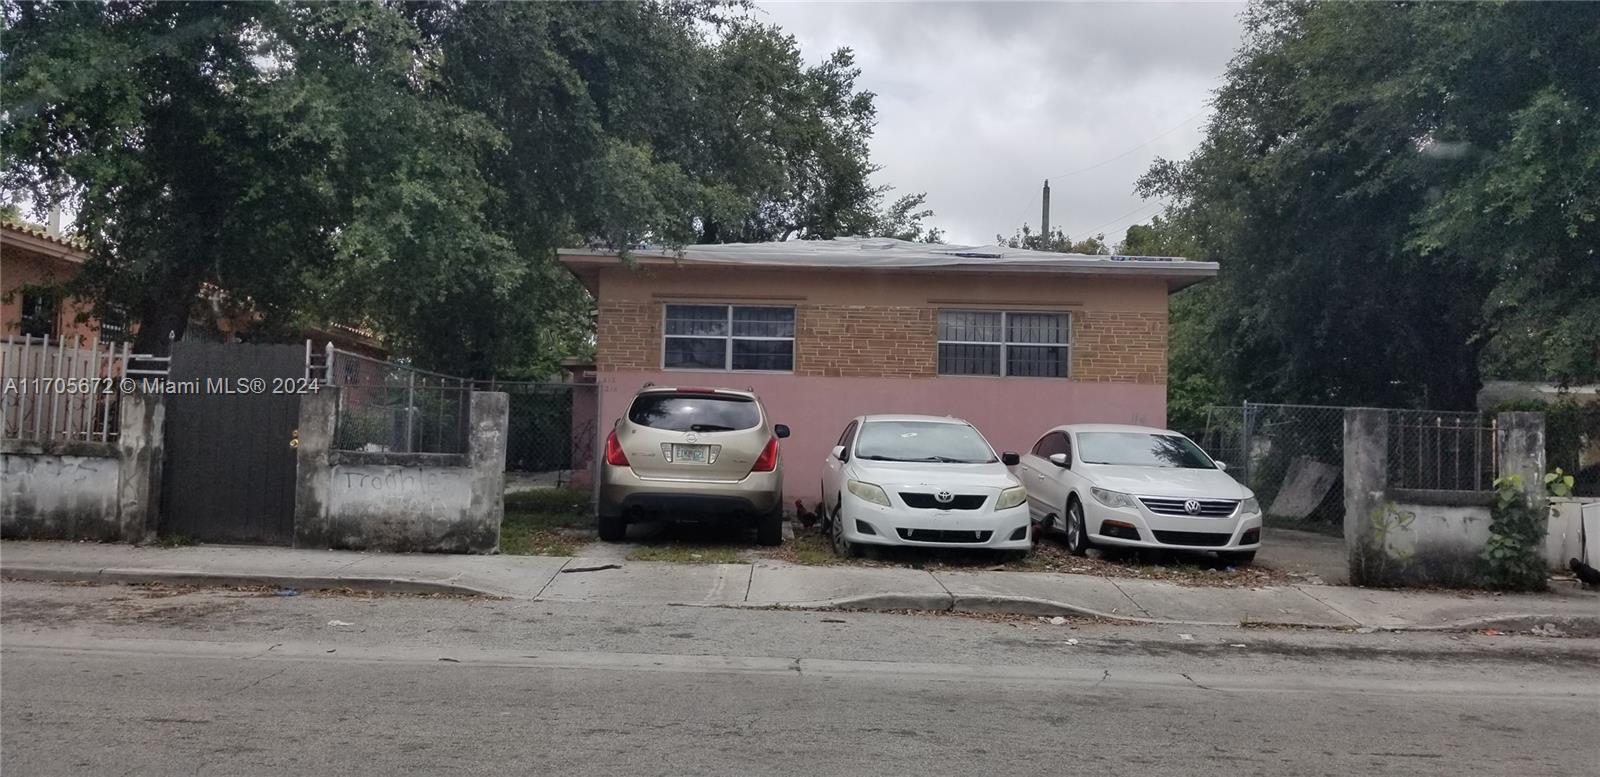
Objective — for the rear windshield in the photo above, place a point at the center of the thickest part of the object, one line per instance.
(1135, 449)
(694, 412)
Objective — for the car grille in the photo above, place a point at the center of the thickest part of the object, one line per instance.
(927, 502)
(1197, 538)
(943, 535)
(1209, 508)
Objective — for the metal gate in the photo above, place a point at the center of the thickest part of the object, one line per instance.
(230, 471)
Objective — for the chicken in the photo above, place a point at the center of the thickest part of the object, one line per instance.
(806, 519)
(1589, 575)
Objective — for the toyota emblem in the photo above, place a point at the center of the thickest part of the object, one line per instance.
(944, 497)
(1192, 507)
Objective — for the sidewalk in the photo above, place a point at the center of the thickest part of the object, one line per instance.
(775, 584)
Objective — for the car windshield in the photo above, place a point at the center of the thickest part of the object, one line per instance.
(1141, 449)
(930, 441)
(694, 413)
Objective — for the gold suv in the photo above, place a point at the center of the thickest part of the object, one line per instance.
(693, 454)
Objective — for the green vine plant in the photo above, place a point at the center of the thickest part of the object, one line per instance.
(1513, 557)
(1558, 483)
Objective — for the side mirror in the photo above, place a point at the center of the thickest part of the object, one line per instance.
(780, 430)
(1222, 465)
(1010, 458)
(1060, 460)
(838, 453)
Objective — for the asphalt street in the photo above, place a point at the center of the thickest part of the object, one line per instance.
(131, 681)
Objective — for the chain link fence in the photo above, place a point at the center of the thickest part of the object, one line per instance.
(551, 440)
(1291, 456)
(396, 408)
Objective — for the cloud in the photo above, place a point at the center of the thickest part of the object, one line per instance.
(978, 103)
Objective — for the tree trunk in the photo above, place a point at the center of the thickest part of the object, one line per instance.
(164, 314)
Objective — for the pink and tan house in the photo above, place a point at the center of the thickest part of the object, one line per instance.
(1014, 341)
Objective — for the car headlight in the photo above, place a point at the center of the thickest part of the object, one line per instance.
(1249, 506)
(1112, 498)
(868, 492)
(1011, 497)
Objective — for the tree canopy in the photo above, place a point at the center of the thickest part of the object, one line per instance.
(413, 166)
(1403, 198)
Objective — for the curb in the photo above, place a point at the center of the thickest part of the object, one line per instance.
(218, 579)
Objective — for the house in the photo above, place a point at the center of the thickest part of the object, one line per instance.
(1013, 340)
(33, 262)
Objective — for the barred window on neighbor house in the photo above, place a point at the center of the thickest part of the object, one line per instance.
(755, 338)
(1004, 343)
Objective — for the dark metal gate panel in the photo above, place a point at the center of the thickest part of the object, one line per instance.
(229, 471)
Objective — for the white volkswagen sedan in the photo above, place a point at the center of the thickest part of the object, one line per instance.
(924, 481)
(1135, 486)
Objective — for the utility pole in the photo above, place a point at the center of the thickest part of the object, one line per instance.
(1044, 218)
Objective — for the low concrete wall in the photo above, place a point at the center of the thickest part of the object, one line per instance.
(1435, 540)
(1398, 537)
(449, 503)
(85, 490)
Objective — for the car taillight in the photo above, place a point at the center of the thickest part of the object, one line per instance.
(614, 455)
(768, 460)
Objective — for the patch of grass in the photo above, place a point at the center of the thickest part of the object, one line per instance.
(686, 553)
(809, 547)
(546, 522)
(1306, 525)
(175, 541)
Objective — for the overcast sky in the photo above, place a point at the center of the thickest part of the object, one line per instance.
(978, 103)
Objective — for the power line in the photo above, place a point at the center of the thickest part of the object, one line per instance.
(1101, 229)
(1104, 162)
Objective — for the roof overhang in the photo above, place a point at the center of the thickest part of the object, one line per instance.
(40, 242)
(586, 264)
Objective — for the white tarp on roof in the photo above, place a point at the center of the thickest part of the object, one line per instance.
(888, 252)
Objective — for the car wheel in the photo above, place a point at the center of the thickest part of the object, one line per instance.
(1241, 558)
(769, 528)
(612, 528)
(1077, 530)
(842, 546)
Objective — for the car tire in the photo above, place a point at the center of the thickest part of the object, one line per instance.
(769, 528)
(842, 546)
(1077, 529)
(612, 528)
(1240, 558)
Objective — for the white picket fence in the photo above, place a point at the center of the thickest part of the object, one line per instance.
(61, 390)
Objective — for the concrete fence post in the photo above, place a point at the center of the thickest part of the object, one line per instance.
(313, 477)
(140, 452)
(1366, 482)
(486, 456)
(1521, 449)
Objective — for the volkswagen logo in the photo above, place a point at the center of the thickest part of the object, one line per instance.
(1192, 507)
(944, 497)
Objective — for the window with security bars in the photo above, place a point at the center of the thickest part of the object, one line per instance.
(754, 338)
(1004, 343)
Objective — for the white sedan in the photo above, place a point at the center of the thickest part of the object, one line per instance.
(1134, 486)
(923, 481)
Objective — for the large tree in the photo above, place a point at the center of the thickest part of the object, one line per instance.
(414, 166)
(1402, 196)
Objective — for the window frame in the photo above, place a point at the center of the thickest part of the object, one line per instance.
(728, 336)
(1004, 343)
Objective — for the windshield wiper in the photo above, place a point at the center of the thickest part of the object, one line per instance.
(709, 428)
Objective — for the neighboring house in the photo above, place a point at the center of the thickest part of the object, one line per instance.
(32, 262)
(1015, 341)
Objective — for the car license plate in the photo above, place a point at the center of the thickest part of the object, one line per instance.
(689, 454)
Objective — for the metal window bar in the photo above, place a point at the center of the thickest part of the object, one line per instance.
(392, 407)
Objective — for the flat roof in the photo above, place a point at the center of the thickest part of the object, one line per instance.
(889, 254)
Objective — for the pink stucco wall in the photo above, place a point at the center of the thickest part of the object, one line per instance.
(1011, 412)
